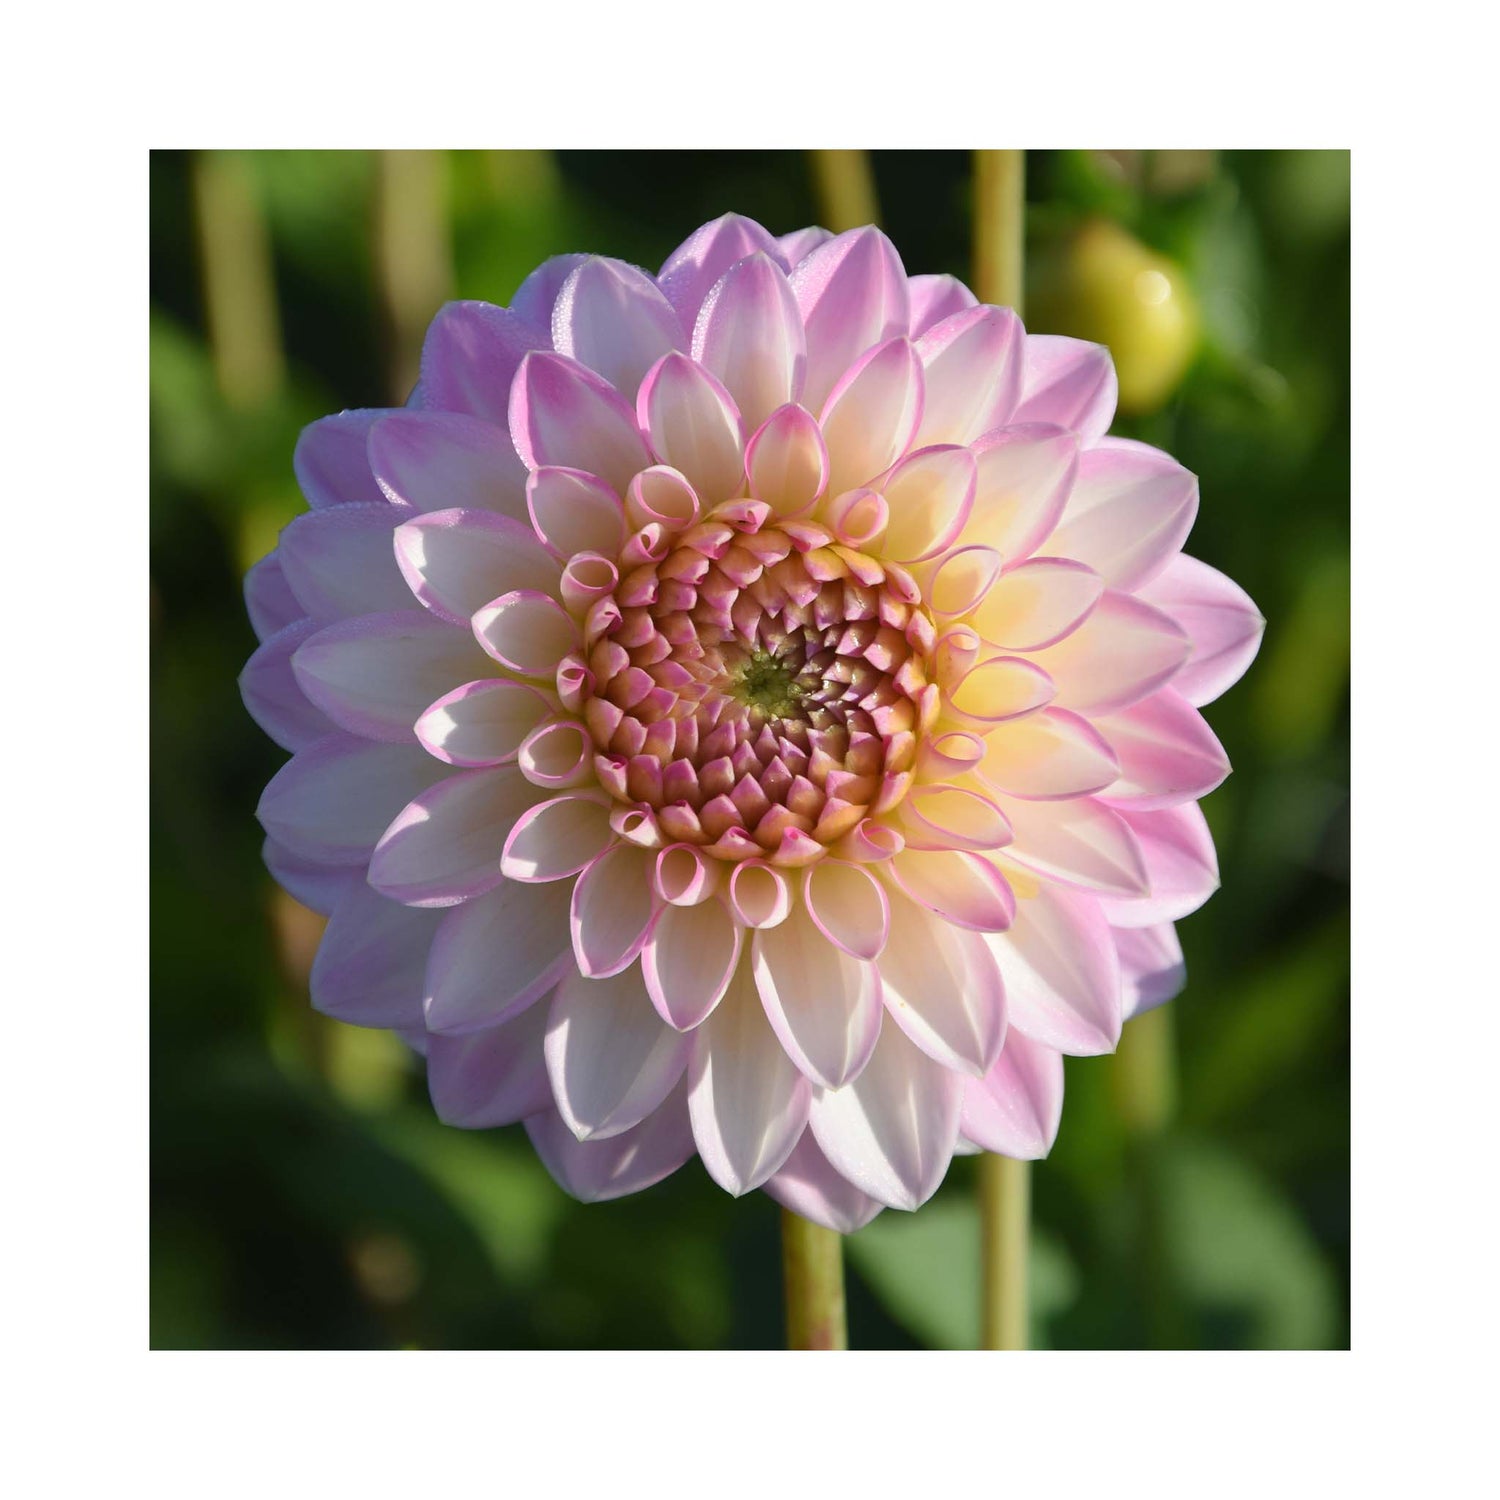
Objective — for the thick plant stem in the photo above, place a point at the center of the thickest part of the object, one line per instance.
(239, 287)
(812, 1263)
(1004, 1184)
(413, 256)
(845, 188)
(1005, 1232)
(1000, 227)
(1143, 1074)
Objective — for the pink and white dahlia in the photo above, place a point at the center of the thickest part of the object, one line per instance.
(749, 711)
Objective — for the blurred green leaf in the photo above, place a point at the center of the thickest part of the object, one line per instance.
(925, 1267)
(1240, 1253)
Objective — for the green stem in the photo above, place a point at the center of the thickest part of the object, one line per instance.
(1000, 227)
(413, 255)
(812, 1260)
(1004, 1184)
(845, 188)
(1143, 1073)
(239, 287)
(1005, 1233)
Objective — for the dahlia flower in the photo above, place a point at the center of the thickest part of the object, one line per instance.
(751, 712)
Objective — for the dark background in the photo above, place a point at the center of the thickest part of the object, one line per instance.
(303, 1193)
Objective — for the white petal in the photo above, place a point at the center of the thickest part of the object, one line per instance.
(689, 960)
(942, 987)
(610, 1057)
(558, 837)
(871, 415)
(1048, 754)
(614, 903)
(613, 318)
(1016, 1107)
(375, 674)
(1077, 841)
(1062, 974)
(458, 560)
(823, 1004)
(496, 956)
(892, 1131)
(445, 845)
(747, 1101)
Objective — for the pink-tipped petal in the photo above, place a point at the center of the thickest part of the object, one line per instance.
(794, 248)
(611, 1058)
(1048, 755)
(787, 461)
(961, 888)
(493, 1077)
(574, 512)
(319, 886)
(1016, 1107)
(808, 1185)
(445, 845)
(749, 334)
(849, 906)
(1129, 512)
(851, 292)
(331, 462)
(537, 295)
(456, 561)
(434, 460)
(1167, 753)
(688, 961)
(1182, 867)
(370, 964)
(939, 816)
(375, 675)
(694, 426)
(269, 600)
(1079, 842)
(747, 1101)
(1024, 477)
(1069, 383)
(340, 562)
(612, 317)
(822, 1003)
(558, 837)
(273, 696)
(871, 415)
(332, 801)
(1219, 617)
(929, 495)
(563, 414)
(1037, 603)
(470, 357)
(527, 632)
(934, 298)
(1152, 970)
(613, 905)
(690, 271)
(942, 987)
(891, 1131)
(482, 723)
(1062, 974)
(998, 689)
(496, 956)
(759, 895)
(1124, 651)
(971, 366)
(597, 1171)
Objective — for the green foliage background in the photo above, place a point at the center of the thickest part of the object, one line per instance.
(303, 1194)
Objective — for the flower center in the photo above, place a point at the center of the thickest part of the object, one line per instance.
(768, 685)
(755, 688)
